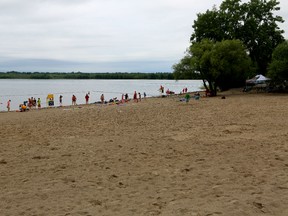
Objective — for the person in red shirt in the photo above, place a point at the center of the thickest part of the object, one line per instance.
(135, 97)
(87, 98)
(74, 100)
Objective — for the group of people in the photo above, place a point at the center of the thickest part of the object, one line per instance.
(188, 96)
(87, 96)
(169, 92)
(33, 102)
(138, 97)
(185, 90)
(30, 104)
(125, 98)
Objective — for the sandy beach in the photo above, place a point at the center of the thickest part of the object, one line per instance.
(209, 157)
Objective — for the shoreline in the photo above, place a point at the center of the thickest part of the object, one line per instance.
(106, 102)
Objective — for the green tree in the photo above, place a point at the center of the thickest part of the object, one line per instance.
(253, 23)
(260, 32)
(278, 69)
(184, 69)
(222, 64)
(230, 64)
(208, 26)
(201, 61)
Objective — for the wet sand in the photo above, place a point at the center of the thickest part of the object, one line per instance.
(156, 157)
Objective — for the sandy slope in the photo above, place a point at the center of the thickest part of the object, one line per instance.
(157, 157)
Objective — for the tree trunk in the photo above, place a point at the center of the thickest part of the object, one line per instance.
(212, 89)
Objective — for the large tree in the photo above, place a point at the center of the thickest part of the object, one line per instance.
(253, 23)
(278, 69)
(230, 64)
(220, 64)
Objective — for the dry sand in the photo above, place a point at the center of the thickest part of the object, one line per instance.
(156, 157)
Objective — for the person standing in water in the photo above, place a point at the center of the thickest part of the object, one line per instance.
(135, 96)
(74, 100)
(8, 105)
(60, 100)
(102, 98)
(87, 98)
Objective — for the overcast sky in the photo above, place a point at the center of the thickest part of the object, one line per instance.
(99, 35)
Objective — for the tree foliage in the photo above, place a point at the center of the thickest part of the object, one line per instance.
(184, 70)
(278, 69)
(253, 23)
(222, 64)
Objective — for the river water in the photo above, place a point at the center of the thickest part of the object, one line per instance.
(19, 90)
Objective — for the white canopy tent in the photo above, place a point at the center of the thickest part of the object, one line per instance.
(258, 79)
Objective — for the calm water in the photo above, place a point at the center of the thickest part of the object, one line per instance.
(20, 90)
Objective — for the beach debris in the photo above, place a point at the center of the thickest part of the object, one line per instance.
(186, 170)
(283, 187)
(199, 159)
(153, 212)
(277, 157)
(96, 202)
(3, 161)
(68, 179)
(66, 155)
(40, 157)
(155, 173)
(121, 185)
(258, 205)
(214, 213)
(113, 176)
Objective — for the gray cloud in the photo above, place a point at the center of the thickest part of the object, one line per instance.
(91, 33)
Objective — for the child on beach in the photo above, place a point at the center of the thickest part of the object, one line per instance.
(8, 105)
(22, 107)
(39, 103)
(187, 98)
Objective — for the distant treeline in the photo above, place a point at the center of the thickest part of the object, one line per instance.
(80, 75)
